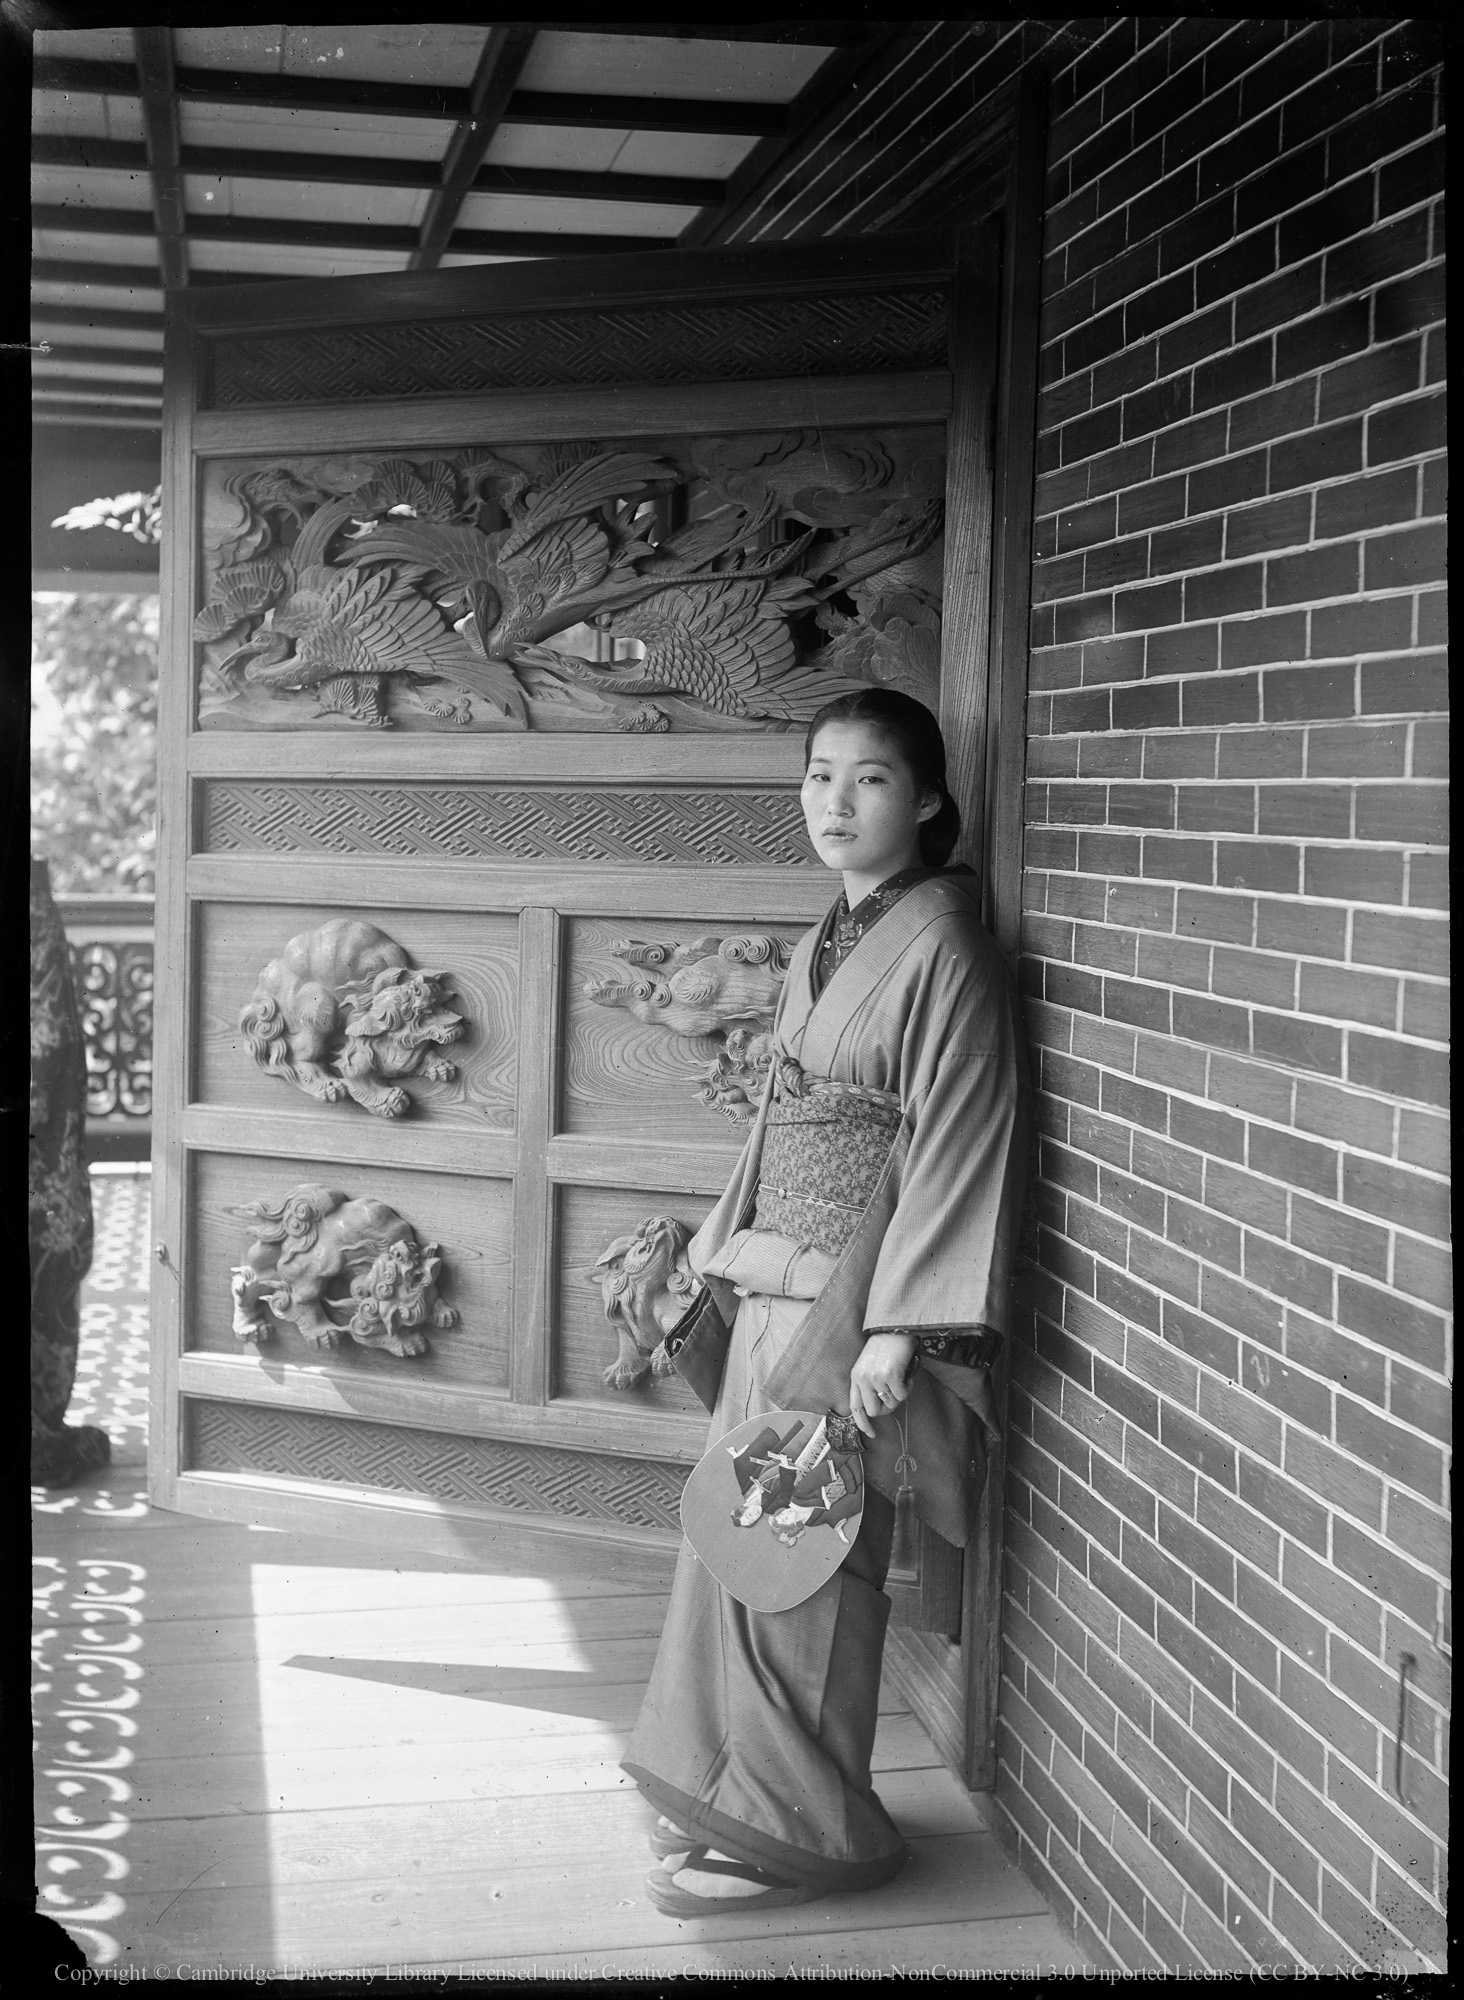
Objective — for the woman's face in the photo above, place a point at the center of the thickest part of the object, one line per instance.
(861, 804)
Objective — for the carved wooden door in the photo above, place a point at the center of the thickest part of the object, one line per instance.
(495, 602)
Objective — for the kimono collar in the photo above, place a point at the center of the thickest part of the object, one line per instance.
(811, 1021)
(842, 929)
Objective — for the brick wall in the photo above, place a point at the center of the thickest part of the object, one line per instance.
(1227, 1508)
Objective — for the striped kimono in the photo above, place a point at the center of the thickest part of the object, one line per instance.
(757, 1727)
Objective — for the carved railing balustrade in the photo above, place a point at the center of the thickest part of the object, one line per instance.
(111, 939)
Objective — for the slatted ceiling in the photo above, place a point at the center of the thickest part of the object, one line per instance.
(657, 66)
(55, 324)
(130, 402)
(104, 320)
(316, 202)
(569, 147)
(145, 300)
(72, 361)
(91, 187)
(77, 244)
(443, 53)
(277, 129)
(65, 363)
(253, 47)
(87, 44)
(609, 218)
(709, 155)
(88, 406)
(366, 214)
(291, 260)
(83, 115)
(90, 415)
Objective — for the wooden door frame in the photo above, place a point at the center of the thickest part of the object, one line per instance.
(989, 436)
(1014, 473)
(197, 431)
(992, 440)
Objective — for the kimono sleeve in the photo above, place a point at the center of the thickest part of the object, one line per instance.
(948, 1254)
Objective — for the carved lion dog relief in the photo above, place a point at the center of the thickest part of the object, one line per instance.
(342, 1012)
(646, 1284)
(334, 1265)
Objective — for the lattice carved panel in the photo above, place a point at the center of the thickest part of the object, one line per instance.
(508, 823)
(528, 1479)
(743, 340)
(114, 987)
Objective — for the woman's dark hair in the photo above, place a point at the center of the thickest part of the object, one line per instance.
(915, 734)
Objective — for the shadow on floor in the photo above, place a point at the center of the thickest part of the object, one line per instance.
(291, 1753)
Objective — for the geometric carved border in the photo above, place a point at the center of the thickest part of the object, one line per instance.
(736, 340)
(508, 822)
(529, 1479)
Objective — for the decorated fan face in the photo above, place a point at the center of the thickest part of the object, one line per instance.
(775, 1506)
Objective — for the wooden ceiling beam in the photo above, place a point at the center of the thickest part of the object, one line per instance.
(119, 395)
(78, 219)
(107, 317)
(77, 409)
(329, 233)
(587, 111)
(89, 416)
(130, 277)
(154, 48)
(505, 52)
(104, 358)
(349, 170)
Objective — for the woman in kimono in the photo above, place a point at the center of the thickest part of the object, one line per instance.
(860, 1261)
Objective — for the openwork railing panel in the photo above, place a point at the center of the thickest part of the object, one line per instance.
(111, 940)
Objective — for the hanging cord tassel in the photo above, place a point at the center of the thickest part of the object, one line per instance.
(904, 1547)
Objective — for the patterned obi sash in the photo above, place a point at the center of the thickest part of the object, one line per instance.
(825, 1145)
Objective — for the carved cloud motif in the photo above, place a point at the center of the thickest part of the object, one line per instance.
(723, 987)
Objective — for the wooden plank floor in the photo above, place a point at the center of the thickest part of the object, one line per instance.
(267, 1750)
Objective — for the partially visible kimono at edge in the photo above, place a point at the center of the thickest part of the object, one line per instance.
(757, 1728)
(60, 1199)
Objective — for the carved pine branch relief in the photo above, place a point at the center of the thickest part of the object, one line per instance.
(711, 583)
(331, 1265)
(342, 1012)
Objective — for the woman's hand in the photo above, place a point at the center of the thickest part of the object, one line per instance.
(878, 1380)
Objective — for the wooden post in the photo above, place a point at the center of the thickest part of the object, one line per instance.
(1005, 751)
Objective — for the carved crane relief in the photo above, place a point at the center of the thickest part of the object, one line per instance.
(722, 987)
(342, 1012)
(331, 1265)
(711, 583)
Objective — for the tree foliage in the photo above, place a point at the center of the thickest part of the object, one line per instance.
(94, 740)
(139, 515)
